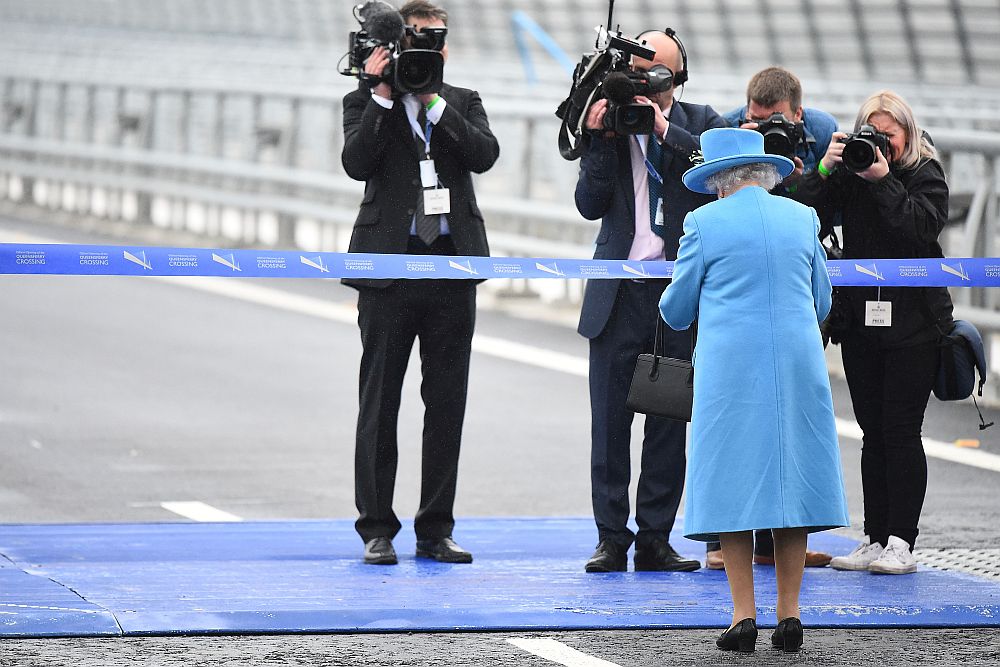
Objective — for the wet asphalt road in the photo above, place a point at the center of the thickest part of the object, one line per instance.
(120, 394)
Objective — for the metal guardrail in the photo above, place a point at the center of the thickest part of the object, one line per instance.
(261, 167)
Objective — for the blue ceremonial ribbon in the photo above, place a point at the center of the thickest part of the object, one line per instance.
(108, 260)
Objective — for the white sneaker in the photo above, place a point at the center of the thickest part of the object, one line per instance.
(860, 558)
(895, 559)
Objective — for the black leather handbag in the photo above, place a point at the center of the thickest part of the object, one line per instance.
(662, 386)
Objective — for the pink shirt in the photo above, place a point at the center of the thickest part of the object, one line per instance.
(646, 244)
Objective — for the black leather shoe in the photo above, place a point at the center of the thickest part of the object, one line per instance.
(609, 557)
(788, 635)
(443, 550)
(379, 551)
(741, 637)
(659, 556)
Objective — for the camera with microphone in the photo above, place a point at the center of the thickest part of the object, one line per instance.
(607, 74)
(417, 69)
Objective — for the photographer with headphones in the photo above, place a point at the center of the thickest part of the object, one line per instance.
(633, 183)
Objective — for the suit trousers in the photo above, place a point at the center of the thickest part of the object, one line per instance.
(889, 391)
(441, 315)
(630, 332)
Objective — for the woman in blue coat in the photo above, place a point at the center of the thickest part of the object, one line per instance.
(764, 450)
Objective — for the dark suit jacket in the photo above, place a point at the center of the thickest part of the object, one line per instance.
(605, 190)
(380, 149)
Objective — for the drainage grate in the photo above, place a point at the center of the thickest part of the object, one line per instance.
(981, 562)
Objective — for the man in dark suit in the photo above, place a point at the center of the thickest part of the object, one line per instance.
(387, 137)
(634, 184)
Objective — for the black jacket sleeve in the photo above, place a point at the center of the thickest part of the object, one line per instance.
(918, 210)
(365, 135)
(824, 195)
(595, 187)
(468, 137)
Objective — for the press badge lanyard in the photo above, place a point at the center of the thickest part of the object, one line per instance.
(655, 175)
(649, 165)
(437, 200)
(878, 313)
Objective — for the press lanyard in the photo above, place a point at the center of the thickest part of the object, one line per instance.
(654, 174)
(425, 132)
(427, 137)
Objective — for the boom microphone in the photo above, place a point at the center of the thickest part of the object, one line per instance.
(618, 88)
(382, 23)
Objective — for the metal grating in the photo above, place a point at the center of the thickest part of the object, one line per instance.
(980, 562)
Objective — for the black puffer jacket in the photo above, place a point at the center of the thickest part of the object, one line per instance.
(899, 217)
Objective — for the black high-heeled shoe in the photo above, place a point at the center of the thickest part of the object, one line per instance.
(741, 637)
(788, 635)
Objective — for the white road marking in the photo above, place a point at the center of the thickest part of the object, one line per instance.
(338, 312)
(198, 511)
(559, 653)
(519, 352)
(496, 347)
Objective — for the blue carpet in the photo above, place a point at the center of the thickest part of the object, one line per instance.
(307, 576)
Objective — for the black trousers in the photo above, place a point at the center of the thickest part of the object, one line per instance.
(889, 390)
(630, 332)
(441, 314)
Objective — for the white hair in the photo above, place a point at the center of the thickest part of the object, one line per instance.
(762, 173)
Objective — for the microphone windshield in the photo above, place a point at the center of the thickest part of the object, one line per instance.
(618, 88)
(382, 23)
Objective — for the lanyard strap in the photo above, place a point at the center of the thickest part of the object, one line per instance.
(650, 167)
(427, 137)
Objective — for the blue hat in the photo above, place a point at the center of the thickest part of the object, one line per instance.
(727, 147)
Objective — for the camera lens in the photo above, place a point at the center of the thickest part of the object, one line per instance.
(859, 154)
(419, 72)
(633, 119)
(777, 142)
(630, 117)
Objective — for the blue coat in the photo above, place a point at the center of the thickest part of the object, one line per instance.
(764, 450)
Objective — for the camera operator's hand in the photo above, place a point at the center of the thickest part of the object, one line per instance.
(595, 115)
(659, 120)
(796, 174)
(749, 125)
(835, 152)
(375, 66)
(878, 170)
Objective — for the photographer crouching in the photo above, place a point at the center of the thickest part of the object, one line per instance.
(633, 183)
(415, 141)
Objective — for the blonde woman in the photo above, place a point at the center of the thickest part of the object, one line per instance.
(894, 208)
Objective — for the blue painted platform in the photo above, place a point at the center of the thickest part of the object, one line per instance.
(307, 576)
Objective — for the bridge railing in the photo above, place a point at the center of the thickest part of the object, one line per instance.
(248, 166)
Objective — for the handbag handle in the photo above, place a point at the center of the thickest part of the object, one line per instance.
(654, 369)
(658, 337)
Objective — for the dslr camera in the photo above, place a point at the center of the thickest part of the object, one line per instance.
(607, 74)
(781, 135)
(859, 148)
(418, 69)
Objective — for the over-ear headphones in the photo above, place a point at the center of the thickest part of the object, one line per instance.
(682, 76)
